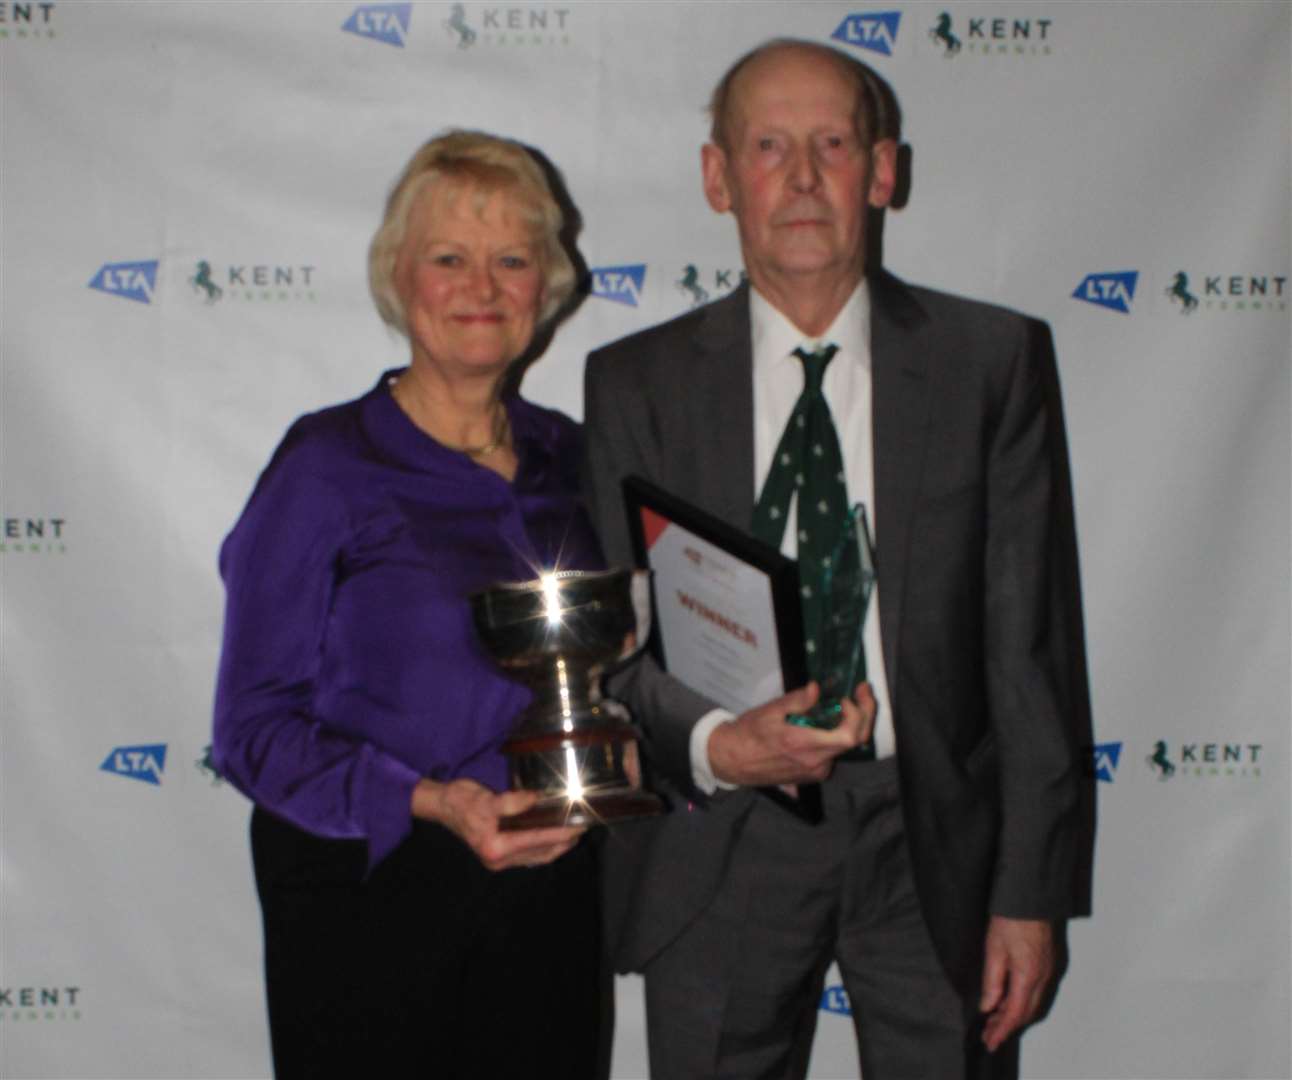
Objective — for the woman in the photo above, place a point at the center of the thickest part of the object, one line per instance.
(404, 933)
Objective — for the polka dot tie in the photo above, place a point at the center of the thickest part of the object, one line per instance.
(809, 464)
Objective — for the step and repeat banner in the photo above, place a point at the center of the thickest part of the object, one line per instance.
(187, 191)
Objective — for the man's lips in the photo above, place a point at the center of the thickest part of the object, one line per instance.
(802, 216)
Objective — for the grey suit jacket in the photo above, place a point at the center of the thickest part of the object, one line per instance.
(976, 563)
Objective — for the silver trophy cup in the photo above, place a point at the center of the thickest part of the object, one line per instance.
(556, 634)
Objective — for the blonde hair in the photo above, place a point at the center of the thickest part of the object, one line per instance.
(483, 164)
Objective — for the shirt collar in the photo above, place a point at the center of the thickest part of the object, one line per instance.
(775, 338)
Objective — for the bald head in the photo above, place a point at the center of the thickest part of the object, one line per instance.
(877, 115)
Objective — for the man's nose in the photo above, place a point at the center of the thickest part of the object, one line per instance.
(804, 173)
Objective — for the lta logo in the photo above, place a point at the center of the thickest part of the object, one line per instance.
(1104, 758)
(144, 763)
(387, 23)
(834, 999)
(1114, 290)
(872, 30)
(621, 284)
(128, 280)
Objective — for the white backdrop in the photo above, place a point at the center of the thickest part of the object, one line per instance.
(1070, 160)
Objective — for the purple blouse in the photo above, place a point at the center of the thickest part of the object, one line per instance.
(350, 668)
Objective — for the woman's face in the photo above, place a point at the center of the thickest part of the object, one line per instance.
(470, 276)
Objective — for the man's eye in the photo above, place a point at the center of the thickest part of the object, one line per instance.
(766, 143)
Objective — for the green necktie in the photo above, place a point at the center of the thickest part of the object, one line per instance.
(808, 462)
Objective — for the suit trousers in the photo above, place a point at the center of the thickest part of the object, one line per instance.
(737, 995)
(430, 966)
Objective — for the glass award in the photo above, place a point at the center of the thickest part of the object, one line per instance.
(837, 659)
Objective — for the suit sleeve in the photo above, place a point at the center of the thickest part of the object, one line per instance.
(621, 440)
(1029, 651)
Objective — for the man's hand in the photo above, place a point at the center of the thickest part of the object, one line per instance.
(1018, 967)
(472, 811)
(759, 748)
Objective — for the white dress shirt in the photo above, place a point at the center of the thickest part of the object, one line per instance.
(778, 382)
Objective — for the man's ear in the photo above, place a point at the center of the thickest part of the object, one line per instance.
(713, 167)
(883, 173)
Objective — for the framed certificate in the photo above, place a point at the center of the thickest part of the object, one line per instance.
(727, 617)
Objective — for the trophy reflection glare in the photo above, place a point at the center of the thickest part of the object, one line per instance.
(552, 598)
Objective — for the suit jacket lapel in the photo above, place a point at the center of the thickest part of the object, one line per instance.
(899, 416)
(723, 389)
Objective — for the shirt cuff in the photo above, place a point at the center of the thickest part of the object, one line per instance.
(701, 770)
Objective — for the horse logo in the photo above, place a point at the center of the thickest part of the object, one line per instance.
(457, 23)
(201, 282)
(1179, 293)
(942, 35)
(1158, 760)
(206, 766)
(690, 283)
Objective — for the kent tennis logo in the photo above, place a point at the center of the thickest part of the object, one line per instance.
(129, 280)
(834, 999)
(205, 764)
(24, 21)
(942, 35)
(1114, 291)
(703, 285)
(144, 763)
(254, 282)
(509, 26)
(1191, 292)
(1160, 761)
(872, 30)
(620, 284)
(33, 535)
(202, 283)
(988, 35)
(1207, 760)
(27, 1003)
(1104, 759)
(387, 23)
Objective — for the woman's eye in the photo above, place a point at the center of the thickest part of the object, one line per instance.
(514, 262)
(445, 258)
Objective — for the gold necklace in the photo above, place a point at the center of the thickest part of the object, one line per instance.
(499, 437)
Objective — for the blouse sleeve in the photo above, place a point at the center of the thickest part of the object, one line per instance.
(279, 567)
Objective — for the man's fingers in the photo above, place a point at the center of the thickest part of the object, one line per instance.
(797, 701)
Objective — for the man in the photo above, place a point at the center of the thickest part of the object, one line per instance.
(942, 872)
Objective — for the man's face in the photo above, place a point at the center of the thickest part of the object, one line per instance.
(796, 175)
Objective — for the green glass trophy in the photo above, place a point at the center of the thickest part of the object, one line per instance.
(837, 659)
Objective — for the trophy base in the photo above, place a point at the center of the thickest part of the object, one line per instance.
(594, 808)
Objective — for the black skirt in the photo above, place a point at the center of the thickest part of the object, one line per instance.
(432, 966)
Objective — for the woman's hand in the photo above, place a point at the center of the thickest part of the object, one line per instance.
(472, 811)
